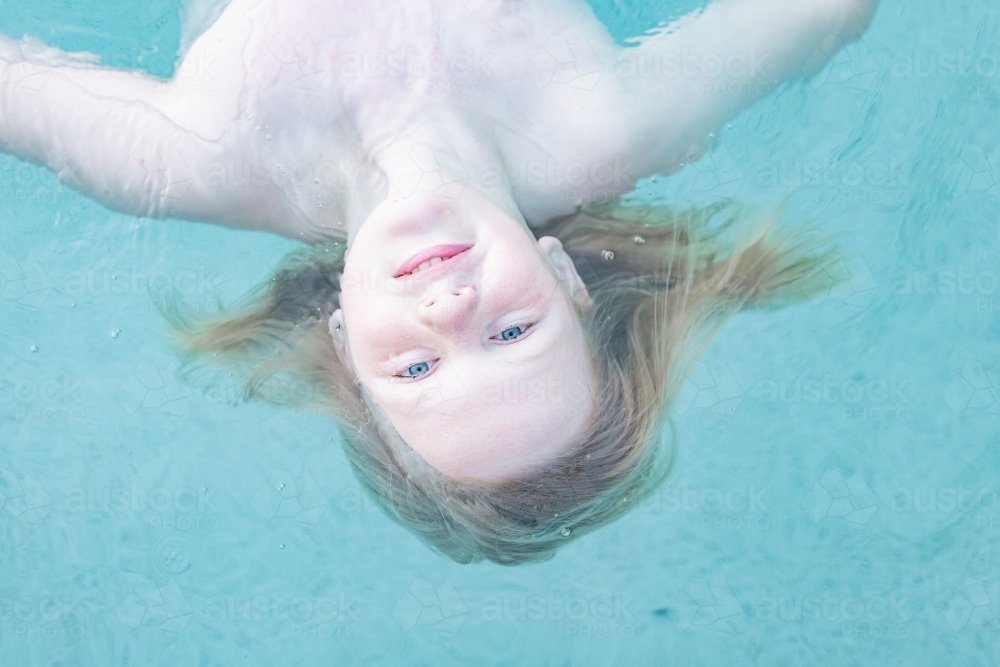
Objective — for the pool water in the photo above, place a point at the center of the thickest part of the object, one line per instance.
(836, 498)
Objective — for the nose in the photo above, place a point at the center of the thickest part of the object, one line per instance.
(448, 311)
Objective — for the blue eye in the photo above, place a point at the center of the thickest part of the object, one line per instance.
(510, 333)
(416, 370)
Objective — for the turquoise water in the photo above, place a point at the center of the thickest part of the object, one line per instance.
(837, 494)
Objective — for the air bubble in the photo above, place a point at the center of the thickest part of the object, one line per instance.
(639, 240)
(565, 532)
(281, 486)
(608, 255)
(115, 332)
(34, 348)
(281, 546)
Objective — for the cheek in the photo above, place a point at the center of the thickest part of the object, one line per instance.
(521, 287)
(378, 328)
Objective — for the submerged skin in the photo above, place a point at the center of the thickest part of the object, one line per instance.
(401, 125)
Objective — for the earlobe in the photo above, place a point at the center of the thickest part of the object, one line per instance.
(566, 271)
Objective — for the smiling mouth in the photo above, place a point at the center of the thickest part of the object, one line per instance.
(430, 257)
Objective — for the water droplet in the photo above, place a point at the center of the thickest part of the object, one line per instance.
(608, 255)
(565, 532)
(653, 179)
(72, 305)
(711, 135)
(115, 332)
(34, 348)
(281, 486)
(639, 240)
(268, 137)
(281, 546)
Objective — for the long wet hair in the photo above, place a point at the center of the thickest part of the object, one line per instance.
(662, 281)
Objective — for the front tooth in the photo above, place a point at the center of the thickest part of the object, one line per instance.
(436, 260)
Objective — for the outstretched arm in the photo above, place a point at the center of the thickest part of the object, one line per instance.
(691, 77)
(137, 144)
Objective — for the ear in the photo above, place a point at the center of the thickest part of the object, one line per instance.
(338, 330)
(552, 248)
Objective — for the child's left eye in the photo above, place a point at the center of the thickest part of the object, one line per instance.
(416, 370)
(513, 332)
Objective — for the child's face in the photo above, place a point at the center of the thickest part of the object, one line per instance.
(479, 361)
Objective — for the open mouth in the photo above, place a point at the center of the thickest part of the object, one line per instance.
(430, 257)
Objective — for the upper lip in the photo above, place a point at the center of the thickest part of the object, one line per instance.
(445, 252)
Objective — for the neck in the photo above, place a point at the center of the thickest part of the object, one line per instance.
(436, 153)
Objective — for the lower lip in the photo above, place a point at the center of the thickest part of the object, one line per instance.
(446, 252)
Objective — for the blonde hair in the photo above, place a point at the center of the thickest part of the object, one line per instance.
(663, 282)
